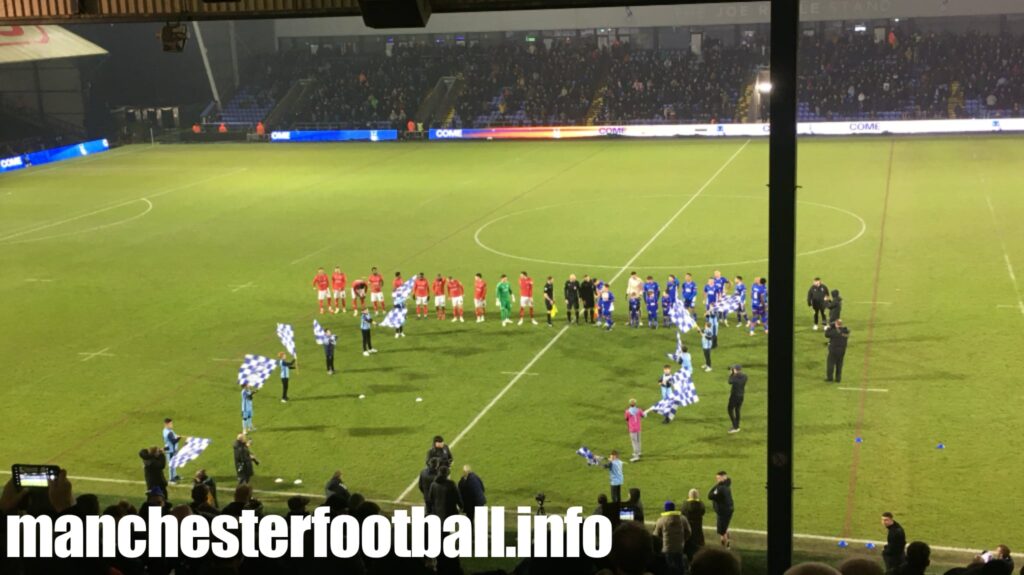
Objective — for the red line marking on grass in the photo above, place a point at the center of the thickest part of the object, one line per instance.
(851, 491)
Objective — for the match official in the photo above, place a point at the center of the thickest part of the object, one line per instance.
(587, 294)
(572, 298)
(816, 296)
(838, 335)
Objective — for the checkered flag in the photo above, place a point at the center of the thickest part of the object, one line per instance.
(683, 393)
(318, 333)
(729, 303)
(677, 356)
(395, 318)
(194, 446)
(287, 335)
(402, 293)
(255, 370)
(680, 317)
(588, 455)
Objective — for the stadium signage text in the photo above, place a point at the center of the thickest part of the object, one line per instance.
(12, 163)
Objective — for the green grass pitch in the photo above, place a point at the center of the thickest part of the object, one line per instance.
(172, 259)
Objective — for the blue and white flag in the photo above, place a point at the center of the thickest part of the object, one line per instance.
(729, 303)
(395, 318)
(678, 355)
(588, 455)
(287, 335)
(255, 370)
(680, 317)
(193, 447)
(318, 333)
(683, 393)
(402, 293)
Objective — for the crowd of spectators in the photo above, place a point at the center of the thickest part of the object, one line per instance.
(851, 75)
(678, 86)
(675, 545)
(912, 75)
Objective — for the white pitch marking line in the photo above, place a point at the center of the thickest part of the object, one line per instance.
(236, 288)
(518, 372)
(309, 255)
(874, 389)
(526, 368)
(488, 407)
(225, 359)
(34, 280)
(679, 212)
(1006, 305)
(118, 205)
(89, 355)
(1006, 255)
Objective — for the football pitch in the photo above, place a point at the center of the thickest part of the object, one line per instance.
(134, 281)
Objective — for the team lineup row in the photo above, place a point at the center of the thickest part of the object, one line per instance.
(592, 294)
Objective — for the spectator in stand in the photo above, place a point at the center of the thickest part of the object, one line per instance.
(632, 550)
(812, 568)
(861, 566)
(715, 561)
(443, 499)
(917, 561)
(202, 478)
(200, 504)
(471, 489)
(674, 531)
(693, 510)
(297, 506)
(896, 541)
(635, 504)
(427, 476)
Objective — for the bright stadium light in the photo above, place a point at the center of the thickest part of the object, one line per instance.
(764, 87)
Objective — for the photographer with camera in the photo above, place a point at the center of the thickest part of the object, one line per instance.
(838, 335)
(244, 459)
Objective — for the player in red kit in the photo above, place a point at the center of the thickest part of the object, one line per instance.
(358, 296)
(440, 286)
(455, 293)
(321, 283)
(421, 289)
(338, 281)
(525, 297)
(376, 291)
(480, 297)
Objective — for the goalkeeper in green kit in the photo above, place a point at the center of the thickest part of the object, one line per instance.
(504, 291)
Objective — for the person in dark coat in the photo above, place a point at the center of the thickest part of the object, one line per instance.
(918, 559)
(443, 499)
(335, 485)
(835, 307)
(816, 297)
(471, 489)
(738, 384)
(635, 504)
(721, 496)
(153, 464)
(838, 336)
(572, 298)
(588, 296)
(894, 552)
(441, 452)
(244, 459)
(202, 478)
(427, 476)
(693, 510)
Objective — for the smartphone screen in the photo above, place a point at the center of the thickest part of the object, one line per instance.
(626, 514)
(33, 475)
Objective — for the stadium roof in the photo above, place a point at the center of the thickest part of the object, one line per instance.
(29, 43)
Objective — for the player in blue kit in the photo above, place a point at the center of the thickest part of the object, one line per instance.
(758, 304)
(634, 311)
(689, 292)
(606, 305)
(720, 284)
(740, 290)
(710, 295)
(651, 299)
(671, 288)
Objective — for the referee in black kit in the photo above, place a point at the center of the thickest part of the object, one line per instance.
(587, 294)
(816, 299)
(572, 299)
